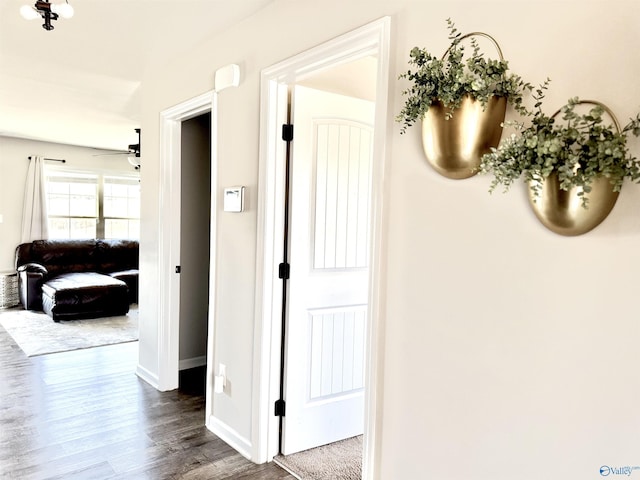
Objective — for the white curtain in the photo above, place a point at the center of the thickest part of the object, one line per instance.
(34, 213)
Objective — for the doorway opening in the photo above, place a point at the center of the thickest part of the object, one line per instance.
(326, 309)
(195, 214)
(370, 41)
(177, 349)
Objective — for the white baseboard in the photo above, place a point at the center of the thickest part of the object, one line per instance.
(230, 437)
(194, 362)
(148, 377)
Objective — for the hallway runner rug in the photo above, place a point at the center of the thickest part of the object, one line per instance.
(37, 334)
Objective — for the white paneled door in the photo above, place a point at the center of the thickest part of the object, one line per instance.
(329, 251)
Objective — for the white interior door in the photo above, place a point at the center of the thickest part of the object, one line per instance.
(328, 286)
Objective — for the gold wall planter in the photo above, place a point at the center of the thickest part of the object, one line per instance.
(454, 147)
(561, 211)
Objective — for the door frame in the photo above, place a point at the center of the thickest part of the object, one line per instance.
(169, 243)
(371, 38)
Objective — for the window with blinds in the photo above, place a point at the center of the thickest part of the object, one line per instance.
(72, 205)
(82, 205)
(121, 200)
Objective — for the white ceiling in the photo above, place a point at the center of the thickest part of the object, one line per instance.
(79, 84)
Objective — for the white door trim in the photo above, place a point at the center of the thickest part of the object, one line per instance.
(169, 218)
(371, 38)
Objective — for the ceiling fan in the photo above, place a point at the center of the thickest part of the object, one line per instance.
(132, 152)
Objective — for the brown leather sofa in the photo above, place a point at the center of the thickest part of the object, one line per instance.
(73, 279)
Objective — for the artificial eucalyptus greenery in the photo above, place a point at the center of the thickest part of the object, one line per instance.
(578, 150)
(449, 79)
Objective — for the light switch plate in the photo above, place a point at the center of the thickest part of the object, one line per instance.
(234, 199)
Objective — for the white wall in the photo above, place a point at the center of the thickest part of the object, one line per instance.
(14, 154)
(510, 352)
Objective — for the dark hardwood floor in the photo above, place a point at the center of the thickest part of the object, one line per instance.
(86, 415)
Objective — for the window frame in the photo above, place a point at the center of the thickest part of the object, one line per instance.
(100, 178)
(128, 180)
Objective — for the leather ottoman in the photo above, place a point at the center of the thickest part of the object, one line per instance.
(73, 296)
(130, 277)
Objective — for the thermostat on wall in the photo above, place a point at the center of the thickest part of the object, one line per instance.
(234, 199)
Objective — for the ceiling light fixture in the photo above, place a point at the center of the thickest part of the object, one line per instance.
(48, 11)
(135, 150)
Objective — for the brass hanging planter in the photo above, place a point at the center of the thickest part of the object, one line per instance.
(454, 146)
(562, 211)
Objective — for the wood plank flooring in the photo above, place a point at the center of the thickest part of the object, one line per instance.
(86, 415)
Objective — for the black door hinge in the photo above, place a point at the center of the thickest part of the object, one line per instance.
(280, 408)
(178, 269)
(287, 132)
(283, 271)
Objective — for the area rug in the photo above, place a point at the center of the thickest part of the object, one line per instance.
(36, 334)
(336, 461)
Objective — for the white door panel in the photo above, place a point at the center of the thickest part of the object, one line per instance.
(329, 225)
